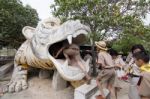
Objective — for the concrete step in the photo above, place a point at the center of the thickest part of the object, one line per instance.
(88, 91)
(5, 69)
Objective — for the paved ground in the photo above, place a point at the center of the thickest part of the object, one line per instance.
(123, 94)
(41, 89)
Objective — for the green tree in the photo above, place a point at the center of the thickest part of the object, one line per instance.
(125, 43)
(106, 18)
(13, 17)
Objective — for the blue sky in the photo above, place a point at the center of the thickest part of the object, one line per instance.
(43, 8)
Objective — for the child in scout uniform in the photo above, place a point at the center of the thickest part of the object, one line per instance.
(134, 72)
(119, 65)
(142, 60)
(106, 76)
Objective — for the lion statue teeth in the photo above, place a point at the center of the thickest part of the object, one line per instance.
(42, 44)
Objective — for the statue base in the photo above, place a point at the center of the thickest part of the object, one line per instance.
(89, 91)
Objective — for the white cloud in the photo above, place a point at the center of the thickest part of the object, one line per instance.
(147, 20)
(42, 7)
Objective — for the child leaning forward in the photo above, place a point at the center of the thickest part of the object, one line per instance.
(142, 60)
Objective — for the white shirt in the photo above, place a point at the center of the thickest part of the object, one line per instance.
(119, 61)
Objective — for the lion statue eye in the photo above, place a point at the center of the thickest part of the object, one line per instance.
(52, 23)
(48, 25)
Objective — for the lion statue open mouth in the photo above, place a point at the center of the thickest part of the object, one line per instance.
(43, 49)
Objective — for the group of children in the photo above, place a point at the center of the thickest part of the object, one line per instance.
(137, 69)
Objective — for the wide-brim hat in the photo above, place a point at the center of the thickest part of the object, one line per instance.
(101, 45)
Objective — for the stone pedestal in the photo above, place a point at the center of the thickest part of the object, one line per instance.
(5, 69)
(58, 83)
(43, 74)
(88, 91)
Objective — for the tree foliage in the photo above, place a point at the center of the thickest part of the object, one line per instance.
(126, 42)
(107, 18)
(13, 17)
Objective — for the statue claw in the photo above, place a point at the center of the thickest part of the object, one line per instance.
(16, 86)
(18, 81)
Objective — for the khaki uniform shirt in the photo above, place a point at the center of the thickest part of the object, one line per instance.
(144, 89)
(105, 59)
(119, 61)
(107, 75)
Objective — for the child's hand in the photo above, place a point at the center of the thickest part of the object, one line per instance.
(118, 65)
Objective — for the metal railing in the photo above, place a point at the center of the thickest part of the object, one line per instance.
(6, 55)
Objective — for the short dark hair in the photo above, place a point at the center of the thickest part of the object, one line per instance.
(142, 55)
(113, 52)
(137, 46)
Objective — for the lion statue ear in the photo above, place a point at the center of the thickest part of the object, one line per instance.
(28, 32)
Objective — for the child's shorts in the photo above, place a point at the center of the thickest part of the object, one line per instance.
(107, 76)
